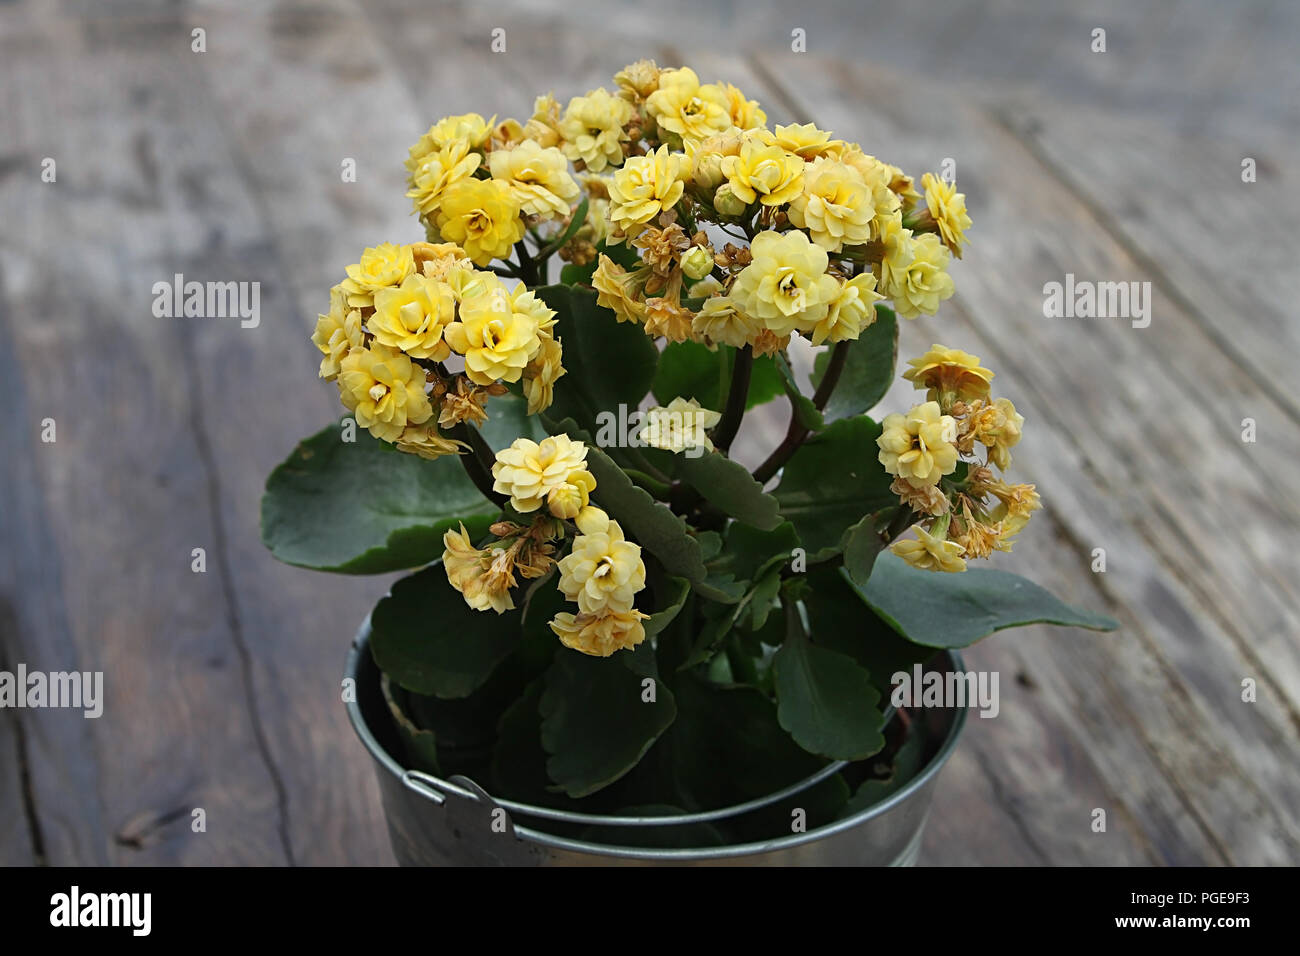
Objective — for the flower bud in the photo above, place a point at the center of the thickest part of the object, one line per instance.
(727, 203)
(697, 262)
(565, 501)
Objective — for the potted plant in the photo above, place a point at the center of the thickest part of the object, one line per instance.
(620, 642)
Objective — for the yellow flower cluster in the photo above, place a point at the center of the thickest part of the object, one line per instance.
(602, 574)
(483, 185)
(401, 313)
(970, 514)
(670, 164)
(552, 472)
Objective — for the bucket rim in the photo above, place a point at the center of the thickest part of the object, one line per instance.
(360, 644)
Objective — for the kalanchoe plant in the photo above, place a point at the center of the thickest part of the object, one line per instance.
(612, 612)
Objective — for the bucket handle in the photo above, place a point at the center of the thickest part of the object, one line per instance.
(438, 790)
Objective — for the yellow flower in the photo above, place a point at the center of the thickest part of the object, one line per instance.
(679, 426)
(804, 139)
(541, 374)
(896, 251)
(785, 286)
(950, 375)
(498, 334)
(381, 267)
(745, 113)
(924, 282)
(539, 178)
(918, 447)
(682, 106)
(411, 317)
(705, 158)
(1011, 525)
(438, 260)
(600, 635)
(852, 310)
(763, 173)
(930, 552)
(997, 426)
(719, 321)
(439, 171)
(604, 571)
(878, 177)
(835, 206)
(337, 333)
(645, 187)
(544, 125)
(638, 80)
(530, 472)
(470, 571)
(482, 217)
(948, 210)
(385, 390)
(1015, 501)
(427, 442)
(667, 318)
(618, 290)
(592, 130)
(468, 128)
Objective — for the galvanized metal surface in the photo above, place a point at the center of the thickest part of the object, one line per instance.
(436, 822)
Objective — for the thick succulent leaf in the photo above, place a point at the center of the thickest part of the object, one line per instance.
(868, 371)
(729, 486)
(428, 640)
(692, 370)
(596, 724)
(841, 621)
(826, 701)
(832, 482)
(608, 363)
(361, 507)
(955, 610)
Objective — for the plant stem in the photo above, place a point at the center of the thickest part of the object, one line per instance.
(834, 369)
(796, 434)
(478, 461)
(527, 265)
(737, 395)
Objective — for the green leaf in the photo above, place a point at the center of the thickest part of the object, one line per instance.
(861, 545)
(647, 522)
(832, 482)
(419, 745)
(826, 701)
(730, 487)
(727, 747)
(608, 363)
(692, 370)
(677, 590)
(430, 641)
(868, 371)
(841, 621)
(595, 723)
(955, 610)
(804, 410)
(362, 507)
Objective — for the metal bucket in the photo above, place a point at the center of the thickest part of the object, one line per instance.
(454, 822)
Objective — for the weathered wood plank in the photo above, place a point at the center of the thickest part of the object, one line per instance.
(1058, 369)
(113, 508)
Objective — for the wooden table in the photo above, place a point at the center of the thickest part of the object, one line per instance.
(223, 687)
